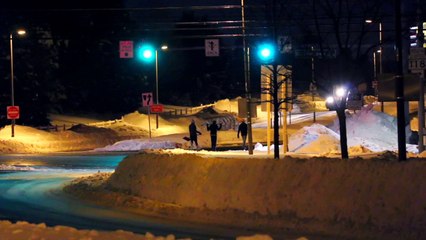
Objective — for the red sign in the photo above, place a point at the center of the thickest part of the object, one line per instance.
(157, 108)
(12, 112)
(126, 49)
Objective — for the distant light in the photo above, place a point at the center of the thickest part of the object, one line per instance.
(369, 21)
(379, 51)
(340, 92)
(329, 99)
(21, 32)
(164, 47)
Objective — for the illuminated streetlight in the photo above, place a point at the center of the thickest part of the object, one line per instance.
(20, 32)
(379, 53)
(147, 53)
(337, 102)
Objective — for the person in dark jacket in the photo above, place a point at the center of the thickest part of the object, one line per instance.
(213, 128)
(193, 133)
(242, 128)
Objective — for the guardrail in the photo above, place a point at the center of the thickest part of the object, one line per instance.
(178, 111)
(55, 128)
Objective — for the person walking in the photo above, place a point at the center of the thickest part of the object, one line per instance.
(242, 128)
(193, 134)
(213, 128)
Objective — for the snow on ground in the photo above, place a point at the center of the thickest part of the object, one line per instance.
(325, 181)
(24, 230)
(368, 131)
(354, 198)
(4, 167)
(137, 145)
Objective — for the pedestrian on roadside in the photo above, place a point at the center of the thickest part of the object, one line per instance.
(213, 128)
(193, 134)
(242, 128)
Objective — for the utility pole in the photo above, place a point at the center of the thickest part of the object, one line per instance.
(399, 85)
(421, 111)
(247, 80)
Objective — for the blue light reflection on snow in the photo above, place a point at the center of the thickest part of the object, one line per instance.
(36, 196)
(61, 163)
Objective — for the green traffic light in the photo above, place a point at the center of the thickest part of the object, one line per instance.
(145, 53)
(266, 52)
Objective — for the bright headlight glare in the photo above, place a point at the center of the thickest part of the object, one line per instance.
(329, 100)
(340, 92)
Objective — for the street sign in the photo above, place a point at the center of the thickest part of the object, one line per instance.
(212, 47)
(147, 99)
(417, 59)
(12, 112)
(126, 49)
(157, 108)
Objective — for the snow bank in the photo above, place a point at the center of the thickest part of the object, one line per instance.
(367, 131)
(316, 139)
(4, 167)
(308, 194)
(24, 230)
(137, 145)
(227, 105)
(376, 131)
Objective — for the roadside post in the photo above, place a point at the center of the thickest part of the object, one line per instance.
(417, 65)
(13, 113)
(147, 101)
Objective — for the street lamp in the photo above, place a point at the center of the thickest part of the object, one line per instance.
(379, 51)
(147, 53)
(20, 32)
(337, 102)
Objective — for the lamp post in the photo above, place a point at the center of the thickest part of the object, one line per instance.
(337, 102)
(147, 53)
(12, 89)
(247, 82)
(163, 47)
(380, 53)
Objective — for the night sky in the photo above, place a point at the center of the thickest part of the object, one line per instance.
(68, 62)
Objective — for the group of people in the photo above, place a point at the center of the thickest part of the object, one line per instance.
(213, 128)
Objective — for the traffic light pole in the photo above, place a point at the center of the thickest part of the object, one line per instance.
(247, 81)
(12, 90)
(156, 86)
(399, 79)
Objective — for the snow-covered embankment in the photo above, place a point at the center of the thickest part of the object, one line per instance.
(355, 197)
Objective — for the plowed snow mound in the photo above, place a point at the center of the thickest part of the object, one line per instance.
(367, 131)
(314, 139)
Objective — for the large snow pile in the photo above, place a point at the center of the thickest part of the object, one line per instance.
(227, 105)
(314, 139)
(374, 130)
(367, 131)
(355, 197)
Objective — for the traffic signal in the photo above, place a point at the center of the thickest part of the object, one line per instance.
(266, 52)
(146, 53)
